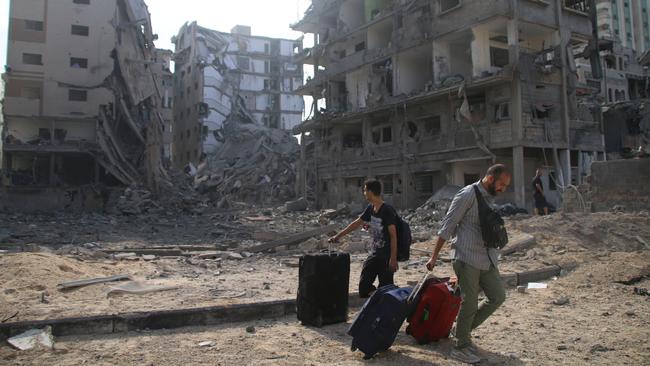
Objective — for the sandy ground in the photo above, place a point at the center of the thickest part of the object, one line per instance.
(603, 323)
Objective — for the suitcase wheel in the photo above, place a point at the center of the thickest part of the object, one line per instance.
(367, 357)
(353, 348)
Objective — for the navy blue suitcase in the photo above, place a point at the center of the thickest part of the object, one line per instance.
(377, 324)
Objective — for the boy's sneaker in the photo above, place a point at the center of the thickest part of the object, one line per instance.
(465, 355)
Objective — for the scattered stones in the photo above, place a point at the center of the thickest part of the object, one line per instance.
(630, 313)
(521, 289)
(206, 344)
(562, 347)
(599, 348)
(561, 301)
(250, 329)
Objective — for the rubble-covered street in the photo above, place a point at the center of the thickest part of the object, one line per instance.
(203, 261)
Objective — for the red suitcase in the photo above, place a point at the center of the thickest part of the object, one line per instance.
(436, 305)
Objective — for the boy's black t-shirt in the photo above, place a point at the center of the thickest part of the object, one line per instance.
(378, 226)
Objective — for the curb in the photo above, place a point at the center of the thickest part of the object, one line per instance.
(213, 315)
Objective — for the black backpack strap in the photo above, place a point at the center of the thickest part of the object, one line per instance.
(479, 199)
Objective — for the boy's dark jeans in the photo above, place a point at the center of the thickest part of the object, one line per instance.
(376, 265)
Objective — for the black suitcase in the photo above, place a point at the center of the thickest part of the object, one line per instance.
(323, 286)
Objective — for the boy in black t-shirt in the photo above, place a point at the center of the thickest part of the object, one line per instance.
(382, 221)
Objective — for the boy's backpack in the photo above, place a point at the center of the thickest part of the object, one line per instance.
(404, 240)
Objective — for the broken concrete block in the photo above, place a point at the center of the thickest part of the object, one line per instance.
(33, 338)
(297, 205)
(148, 257)
(130, 255)
(311, 244)
(137, 288)
(206, 344)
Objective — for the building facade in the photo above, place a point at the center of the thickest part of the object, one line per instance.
(625, 21)
(80, 95)
(233, 75)
(424, 93)
(165, 79)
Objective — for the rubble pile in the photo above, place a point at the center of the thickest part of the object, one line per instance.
(178, 195)
(255, 164)
(430, 213)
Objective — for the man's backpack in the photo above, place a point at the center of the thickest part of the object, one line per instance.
(493, 227)
(404, 240)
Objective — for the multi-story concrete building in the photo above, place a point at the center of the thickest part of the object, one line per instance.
(624, 36)
(79, 93)
(425, 93)
(217, 72)
(625, 21)
(165, 79)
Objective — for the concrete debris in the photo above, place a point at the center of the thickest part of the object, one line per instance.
(91, 281)
(138, 288)
(298, 205)
(250, 329)
(561, 301)
(255, 164)
(431, 212)
(33, 338)
(207, 344)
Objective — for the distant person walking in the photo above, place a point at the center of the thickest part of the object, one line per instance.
(538, 194)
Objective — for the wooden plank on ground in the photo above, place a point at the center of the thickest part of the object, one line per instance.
(91, 281)
(292, 239)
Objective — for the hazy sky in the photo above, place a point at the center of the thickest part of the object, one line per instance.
(269, 18)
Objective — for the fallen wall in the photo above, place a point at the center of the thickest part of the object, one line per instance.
(613, 183)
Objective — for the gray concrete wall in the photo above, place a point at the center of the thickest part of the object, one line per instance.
(620, 182)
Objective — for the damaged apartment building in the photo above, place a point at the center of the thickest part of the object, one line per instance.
(81, 105)
(426, 93)
(223, 76)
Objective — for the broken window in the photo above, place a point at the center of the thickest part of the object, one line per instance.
(424, 183)
(499, 57)
(34, 25)
(267, 67)
(243, 63)
(76, 95)
(324, 186)
(84, 2)
(360, 47)
(412, 129)
(577, 5)
(78, 63)
(44, 133)
(431, 125)
(446, 5)
(502, 111)
(80, 30)
(387, 134)
(59, 134)
(376, 137)
(387, 184)
(267, 84)
(32, 59)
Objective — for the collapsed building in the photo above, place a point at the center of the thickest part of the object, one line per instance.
(233, 75)
(82, 105)
(425, 93)
(234, 108)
